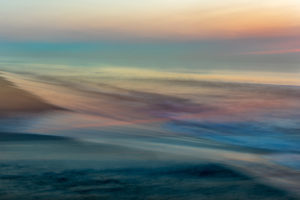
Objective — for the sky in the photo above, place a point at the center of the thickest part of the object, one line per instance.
(235, 34)
(153, 19)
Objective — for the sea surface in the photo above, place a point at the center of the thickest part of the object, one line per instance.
(129, 133)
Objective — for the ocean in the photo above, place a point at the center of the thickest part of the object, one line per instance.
(158, 133)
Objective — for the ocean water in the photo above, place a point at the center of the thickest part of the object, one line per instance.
(131, 133)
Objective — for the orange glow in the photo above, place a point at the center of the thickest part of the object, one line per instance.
(174, 19)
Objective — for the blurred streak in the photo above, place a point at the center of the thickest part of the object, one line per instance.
(282, 51)
(63, 20)
(245, 120)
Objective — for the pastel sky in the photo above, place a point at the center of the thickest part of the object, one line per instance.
(154, 19)
(166, 34)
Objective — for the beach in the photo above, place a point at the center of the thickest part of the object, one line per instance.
(17, 101)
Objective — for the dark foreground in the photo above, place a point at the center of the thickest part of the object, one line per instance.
(42, 175)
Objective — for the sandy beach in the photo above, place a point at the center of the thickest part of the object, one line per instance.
(16, 101)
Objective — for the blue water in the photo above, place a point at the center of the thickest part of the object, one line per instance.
(150, 135)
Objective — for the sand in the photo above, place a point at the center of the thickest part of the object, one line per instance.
(16, 101)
